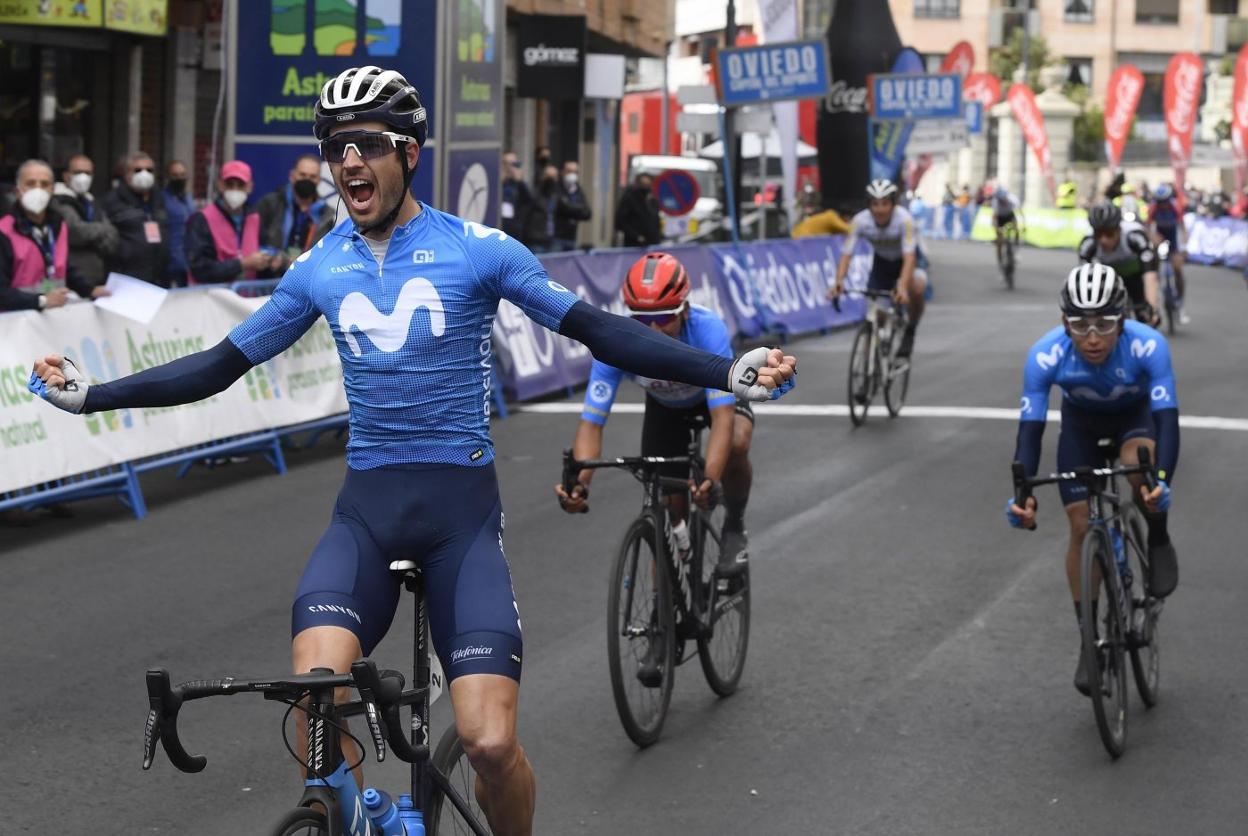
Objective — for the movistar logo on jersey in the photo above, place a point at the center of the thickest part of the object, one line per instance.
(1118, 393)
(1140, 348)
(389, 332)
(1047, 360)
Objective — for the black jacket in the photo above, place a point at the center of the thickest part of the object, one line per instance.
(538, 229)
(571, 209)
(201, 250)
(516, 193)
(272, 209)
(13, 299)
(135, 256)
(637, 217)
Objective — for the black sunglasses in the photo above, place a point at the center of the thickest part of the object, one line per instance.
(369, 145)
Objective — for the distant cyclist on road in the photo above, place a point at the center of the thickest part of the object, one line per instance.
(1117, 383)
(1004, 212)
(410, 295)
(1165, 221)
(1124, 245)
(899, 264)
(657, 294)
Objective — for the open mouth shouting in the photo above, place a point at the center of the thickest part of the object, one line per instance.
(360, 192)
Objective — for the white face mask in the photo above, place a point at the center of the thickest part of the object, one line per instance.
(35, 201)
(234, 198)
(142, 181)
(571, 179)
(80, 182)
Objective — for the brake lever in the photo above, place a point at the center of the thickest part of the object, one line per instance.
(571, 468)
(372, 715)
(1146, 462)
(1022, 493)
(162, 717)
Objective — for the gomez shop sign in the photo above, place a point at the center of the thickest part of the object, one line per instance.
(550, 58)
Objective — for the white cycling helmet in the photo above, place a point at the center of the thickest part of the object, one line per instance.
(1093, 289)
(879, 189)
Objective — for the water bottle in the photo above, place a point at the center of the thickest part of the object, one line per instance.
(412, 819)
(680, 531)
(1120, 555)
(383, 813)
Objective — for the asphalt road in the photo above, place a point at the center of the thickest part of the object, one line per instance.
(910, 660)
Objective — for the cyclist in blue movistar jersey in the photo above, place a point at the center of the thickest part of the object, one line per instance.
(1116, 383)
(656, 292)
(1165, 221)
(410, 294)
(898, 264)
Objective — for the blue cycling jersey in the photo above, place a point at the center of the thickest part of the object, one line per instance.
(417, 376)
(1165, 214)
(702, 330)
(1138, 367)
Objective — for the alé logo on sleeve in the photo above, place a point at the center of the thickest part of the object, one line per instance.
(388, 332)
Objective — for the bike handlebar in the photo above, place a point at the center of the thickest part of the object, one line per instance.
(639, 465)
(1090, 476)
(384, 689)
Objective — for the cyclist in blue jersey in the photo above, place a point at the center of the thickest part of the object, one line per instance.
(410, 294)
(1165, 221)
(656, 292)
(1116, 383)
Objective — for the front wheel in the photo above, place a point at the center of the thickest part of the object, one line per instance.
(722, 646)
(1104, 641)
(1007, 264)
(302, 821)
(896, 383)
(861, 386)
(641, 632)
(1145, 612)
(451, 761)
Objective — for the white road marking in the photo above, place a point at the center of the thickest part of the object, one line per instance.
(1196, 422)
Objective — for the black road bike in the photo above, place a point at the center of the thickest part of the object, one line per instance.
(1006, 251)
(1113, 574)
(660, 600)
(331, 803)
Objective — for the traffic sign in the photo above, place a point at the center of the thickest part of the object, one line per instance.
(906, 96)
(772, 72)
(974, 116)
(676, 192)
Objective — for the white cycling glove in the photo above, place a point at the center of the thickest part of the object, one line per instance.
(71, 397)
(744, 378)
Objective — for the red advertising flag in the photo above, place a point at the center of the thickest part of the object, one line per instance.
(1239, 117)
(960, 60)
(1031, 121)
(1184, 77)
(1125, 87)
(982, 87)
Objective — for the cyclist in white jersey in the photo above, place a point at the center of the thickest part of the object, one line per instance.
(1004, 208)
(899, 264)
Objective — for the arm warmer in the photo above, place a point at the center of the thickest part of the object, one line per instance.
(185, 380)
(1167, 421)
(1027, 451)
(620, 342)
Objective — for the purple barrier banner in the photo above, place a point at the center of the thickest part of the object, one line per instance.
(1217, 241)
(760, 287)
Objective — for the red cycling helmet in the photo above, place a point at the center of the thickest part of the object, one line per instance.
(656, 283)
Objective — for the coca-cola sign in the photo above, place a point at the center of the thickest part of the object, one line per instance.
(960, 60)
(1239, 110)
(982, 87)
(1125, 87)
(1184, 77)
(1031, 122)
(842, 98)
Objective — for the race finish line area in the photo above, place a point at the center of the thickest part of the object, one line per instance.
(1196, 422)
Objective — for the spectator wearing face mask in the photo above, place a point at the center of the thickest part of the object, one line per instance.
(294, 217)
(637, 215)
(92, 237)
(180, 206)
(517, 198)
(571, 209)
(539, 224)
(137, 208)
(35, 273)
(223, 239)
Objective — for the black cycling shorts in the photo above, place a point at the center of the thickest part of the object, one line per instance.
(1003, 218)
(885, 272)
(667, 431)
(449, 520)
(1083, 428)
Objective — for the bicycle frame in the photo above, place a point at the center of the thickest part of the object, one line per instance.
(878, 365)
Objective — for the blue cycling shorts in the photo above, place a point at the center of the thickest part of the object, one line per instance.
(449, 520)
(1082, 429)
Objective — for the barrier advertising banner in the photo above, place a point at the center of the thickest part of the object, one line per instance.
(40, 443)
(1031, 121)
(1217, 241)
(1125, 87)
(1184, 77)
(1061, 229)
(1239, 119)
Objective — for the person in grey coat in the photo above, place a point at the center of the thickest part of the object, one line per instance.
(92, 236)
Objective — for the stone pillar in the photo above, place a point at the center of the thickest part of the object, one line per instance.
(1059, 115)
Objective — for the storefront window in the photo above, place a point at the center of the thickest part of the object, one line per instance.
(19, 92)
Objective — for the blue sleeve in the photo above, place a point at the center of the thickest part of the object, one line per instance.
(509, 271)
(632, 347)
(712, 335)
(184, 380)
(285, 318)
(1033, 410)
(604, 383)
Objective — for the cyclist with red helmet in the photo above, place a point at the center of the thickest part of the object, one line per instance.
(656, 292)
